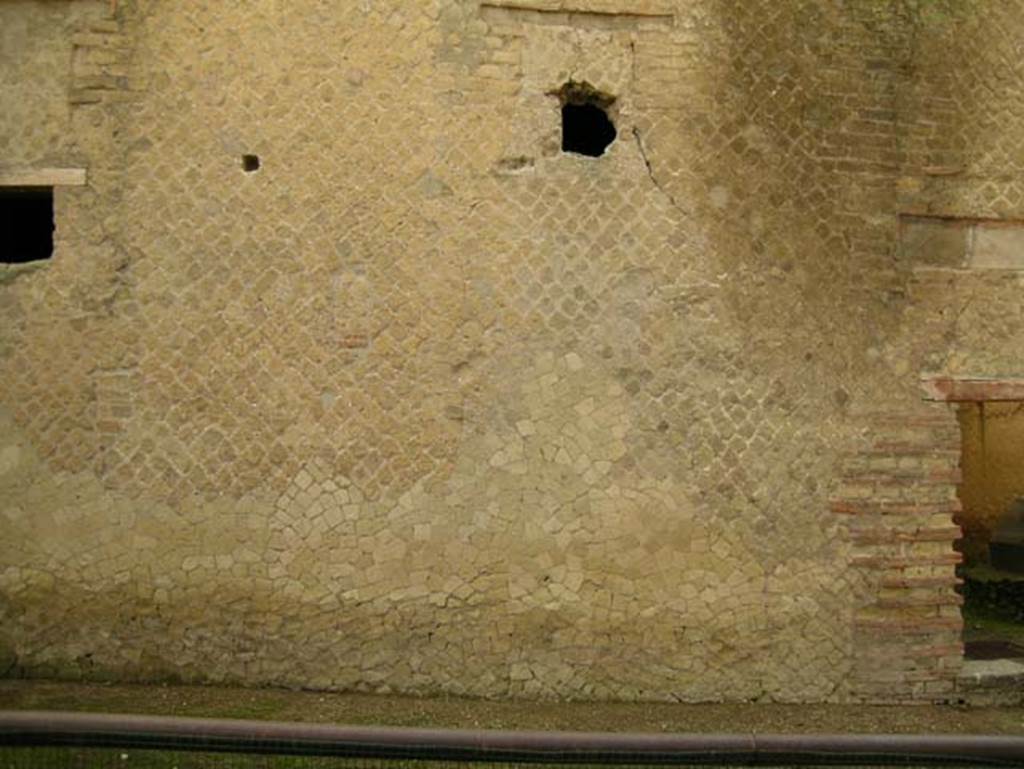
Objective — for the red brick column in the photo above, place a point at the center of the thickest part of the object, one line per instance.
(899, 496)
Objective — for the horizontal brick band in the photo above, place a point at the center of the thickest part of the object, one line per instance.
(907, 626)
(908, 478)
(875, 507)
(882, 562)
(884, 536)
(952, 599)
(920, 582)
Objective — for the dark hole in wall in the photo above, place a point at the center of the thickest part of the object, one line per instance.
(26, 224)
(250, 163)
(587, 129)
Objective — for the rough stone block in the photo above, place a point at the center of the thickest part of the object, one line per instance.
(998, 247)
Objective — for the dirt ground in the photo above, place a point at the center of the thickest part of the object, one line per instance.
(321, 707)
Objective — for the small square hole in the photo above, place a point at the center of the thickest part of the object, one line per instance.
(587, 126)
(26, 224)
(586, 129)
(250, 163)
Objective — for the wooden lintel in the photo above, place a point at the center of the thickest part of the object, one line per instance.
(42, 177)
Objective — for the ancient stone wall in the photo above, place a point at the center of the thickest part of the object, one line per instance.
(957, 147)
(425, 404)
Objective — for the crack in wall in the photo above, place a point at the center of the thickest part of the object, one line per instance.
(650, 173)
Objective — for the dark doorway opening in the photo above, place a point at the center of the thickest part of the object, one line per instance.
(26, 224)
(587, 128)
(992, 519)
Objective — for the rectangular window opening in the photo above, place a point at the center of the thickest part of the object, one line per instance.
(26, 224)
